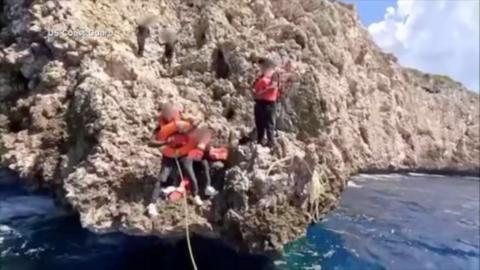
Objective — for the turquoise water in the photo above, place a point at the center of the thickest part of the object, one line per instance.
(384, 222)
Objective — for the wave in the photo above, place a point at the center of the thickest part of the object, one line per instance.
(25, 206)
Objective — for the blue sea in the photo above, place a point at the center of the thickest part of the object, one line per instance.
(393, 221)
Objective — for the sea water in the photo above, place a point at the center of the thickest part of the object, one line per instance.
(384, 222)
(409, 221)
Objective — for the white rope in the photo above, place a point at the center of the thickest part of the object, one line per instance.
(278, 162)
(187, 231)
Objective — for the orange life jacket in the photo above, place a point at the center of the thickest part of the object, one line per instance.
(172, 128)
(197, 153)
(181, 144)
(162, 121)
(263, 82)
(177, 152)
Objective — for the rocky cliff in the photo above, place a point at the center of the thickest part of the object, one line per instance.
(78, 107)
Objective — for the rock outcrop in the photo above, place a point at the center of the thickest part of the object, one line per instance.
(78, 106)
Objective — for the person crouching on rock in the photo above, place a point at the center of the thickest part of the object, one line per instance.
(169, 117)
(266, 93)
(201, 139)
(193, 151)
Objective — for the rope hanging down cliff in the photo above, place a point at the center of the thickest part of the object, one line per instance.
(187, 231)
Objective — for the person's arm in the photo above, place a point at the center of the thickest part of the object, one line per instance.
(153, 140)
(204, 142)
(260, 87)
(194, 121)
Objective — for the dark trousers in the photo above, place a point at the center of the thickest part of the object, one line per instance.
(168, 55)
(265, 114)
(168, 165)
(142, 34)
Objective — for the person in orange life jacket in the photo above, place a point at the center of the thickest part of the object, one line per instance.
(201, 138)
(266, 93)
(194, 151)
(168, 115)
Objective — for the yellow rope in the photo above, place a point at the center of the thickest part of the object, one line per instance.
(187, 232)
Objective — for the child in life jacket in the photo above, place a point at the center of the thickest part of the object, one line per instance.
(199, 153)
(195, 150)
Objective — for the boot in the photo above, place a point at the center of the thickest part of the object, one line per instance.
(210, 191)
(152, 210)
(197, 200)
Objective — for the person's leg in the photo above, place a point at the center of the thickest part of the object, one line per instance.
(140, 42)
(270, 113)
(168, 54)
(142, 34)
(188, 166)
(141, 47)
(206, 170)
(259, 121)
(209, 189)
(164, 174)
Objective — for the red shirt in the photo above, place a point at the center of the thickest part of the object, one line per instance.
(261, 85)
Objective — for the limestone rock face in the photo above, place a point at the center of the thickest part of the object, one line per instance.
(78, 107)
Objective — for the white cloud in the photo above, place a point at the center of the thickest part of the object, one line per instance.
(436, 36)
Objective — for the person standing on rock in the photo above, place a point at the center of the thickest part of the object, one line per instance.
(266, 92)
(168, 39)
(169, 114)
(143, 32)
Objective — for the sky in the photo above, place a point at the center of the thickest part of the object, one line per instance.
(435, 36)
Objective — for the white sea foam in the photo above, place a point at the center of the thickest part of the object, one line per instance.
(329, 254)
(377, 177)
(448, 211)
(313, 267)
(353, 184)
(34, 251)
(425, 175)
(6, 230)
